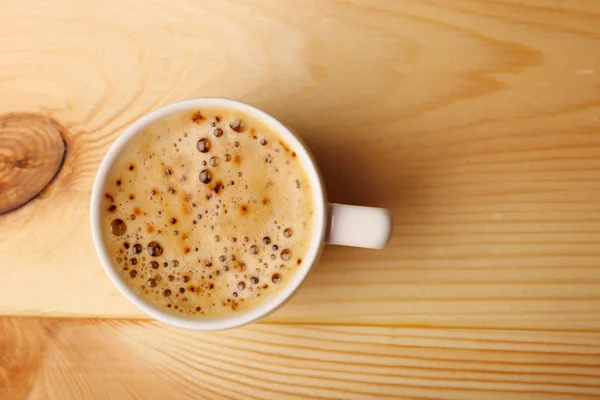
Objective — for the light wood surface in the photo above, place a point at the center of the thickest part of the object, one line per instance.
(476, 122)
(81, 359)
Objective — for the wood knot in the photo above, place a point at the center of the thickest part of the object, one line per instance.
(32, 152)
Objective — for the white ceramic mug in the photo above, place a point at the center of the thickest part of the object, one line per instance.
(333, 223)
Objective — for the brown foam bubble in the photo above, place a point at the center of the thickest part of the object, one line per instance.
(203, 145)
(197, 117)
(286, 254)
(155, 249)
(237, 125)
(205, 176)
(118, 227)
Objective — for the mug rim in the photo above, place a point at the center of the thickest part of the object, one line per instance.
(273, 302)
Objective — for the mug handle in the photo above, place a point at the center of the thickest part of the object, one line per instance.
(368, 227)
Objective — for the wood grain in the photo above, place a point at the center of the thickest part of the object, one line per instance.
(477, 122)
(32, 151)
(84, 359)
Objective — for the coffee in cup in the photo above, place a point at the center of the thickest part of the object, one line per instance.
(207, 213)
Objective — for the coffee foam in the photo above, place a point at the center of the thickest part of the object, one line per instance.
(207, 213)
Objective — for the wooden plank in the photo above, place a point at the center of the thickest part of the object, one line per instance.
(476, 122)
(76, 359)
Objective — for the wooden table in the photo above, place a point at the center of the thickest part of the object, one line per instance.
(476, 122)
